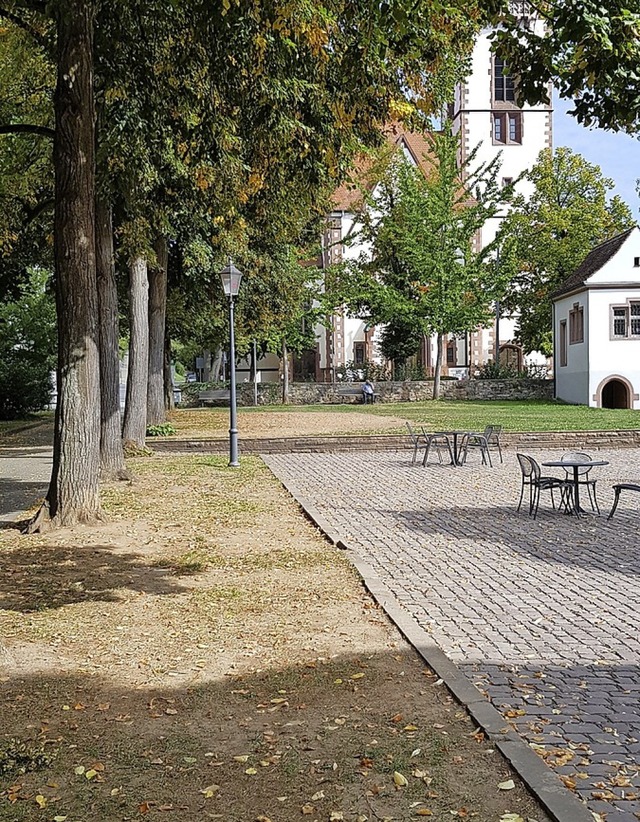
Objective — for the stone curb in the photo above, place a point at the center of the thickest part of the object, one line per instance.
(390, 442)
(558, 800)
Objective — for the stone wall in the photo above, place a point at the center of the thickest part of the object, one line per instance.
(308, 393)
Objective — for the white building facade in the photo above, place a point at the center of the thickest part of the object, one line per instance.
(596, 327)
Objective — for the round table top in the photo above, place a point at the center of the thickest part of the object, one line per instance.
(574, 463)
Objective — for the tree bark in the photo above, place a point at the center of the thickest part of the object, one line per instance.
(157, 320)
(111, 451)
(438, 367)
(169, 402)
(73, 494)
(135, 410)
(285, 373)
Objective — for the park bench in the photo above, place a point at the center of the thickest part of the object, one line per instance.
(351, 393)
(214, 396)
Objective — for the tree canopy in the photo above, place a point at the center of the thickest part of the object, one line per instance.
(424, 274)
(546, 236)
(589, 49)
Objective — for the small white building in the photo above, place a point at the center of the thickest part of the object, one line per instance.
(596, 327)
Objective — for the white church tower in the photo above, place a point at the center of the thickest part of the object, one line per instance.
(485, 114)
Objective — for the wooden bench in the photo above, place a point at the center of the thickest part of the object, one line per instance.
(622, 486)
(214, 396)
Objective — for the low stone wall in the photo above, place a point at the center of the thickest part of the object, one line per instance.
(310, 393)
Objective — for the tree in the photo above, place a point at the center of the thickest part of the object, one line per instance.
(544, 238)
(424, 275)
(27, 343)
(590, 50)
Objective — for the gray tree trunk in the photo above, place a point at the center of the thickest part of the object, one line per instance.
(135, 411)
(285, 373)
(73, 494)
(169, 402)
(111, 451)
(157, 320)
(438, 367)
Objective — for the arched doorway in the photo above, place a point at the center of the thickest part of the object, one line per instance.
(615, 394)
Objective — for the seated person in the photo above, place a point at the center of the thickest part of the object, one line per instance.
(367, 392)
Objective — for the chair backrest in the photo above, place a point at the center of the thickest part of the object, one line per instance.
(412, 434)
(492, 432)
(576, 455)
(529, 467)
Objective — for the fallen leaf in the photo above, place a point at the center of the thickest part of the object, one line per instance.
(41, 801)
(509, 785)
(336, 816)
(400, 780)
(317, 796)
(424, 812)
(79, 770)
(91, 774)
(251, 771)
(356, 676)
(307, 809)
(143, 807)
(210, 791)
(511, 817)
(243, 758)
(59, 818)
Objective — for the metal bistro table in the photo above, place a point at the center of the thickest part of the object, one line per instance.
(576, 465)
(454, 435)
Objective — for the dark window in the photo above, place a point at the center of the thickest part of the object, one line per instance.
(515, 127)
(507, 127)
(625, 321)
(636, 262)
(451, 353)
(563, 342)
(358, 353)
(502, 82)
(576, 324)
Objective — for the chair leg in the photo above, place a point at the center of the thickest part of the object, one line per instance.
(425, 459)
(485, 450)
(591, 488)
(537, 500)
(499, 451)
(415, 453)
(615, 503)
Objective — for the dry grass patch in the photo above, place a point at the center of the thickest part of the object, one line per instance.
(208, 655)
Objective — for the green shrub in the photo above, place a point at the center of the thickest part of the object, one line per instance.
(164, 429)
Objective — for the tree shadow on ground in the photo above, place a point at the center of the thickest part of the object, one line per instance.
(35, 579)
(588, 541)
(323, 736)
(18, 495)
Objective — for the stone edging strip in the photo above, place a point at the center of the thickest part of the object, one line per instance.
(390, 442)
(556, 798)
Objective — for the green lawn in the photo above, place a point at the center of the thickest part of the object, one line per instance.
(517, 416)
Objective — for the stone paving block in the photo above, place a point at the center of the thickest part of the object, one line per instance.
(543, 615)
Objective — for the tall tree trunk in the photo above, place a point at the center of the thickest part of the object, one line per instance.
(157, 320)
(285, 373)
(438, 367)
(169, 402)
(135, 410)
(73, 494)
(111, 451)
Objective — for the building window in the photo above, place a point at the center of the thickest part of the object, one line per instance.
(503, 90)
(625, 321)
(576, 324)
(636, 262)
(507, 127)
(451, 353)
(359, 353)
(563, 342)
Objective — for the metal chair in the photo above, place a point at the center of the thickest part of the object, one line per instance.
(533, 479)
(583, 476)
(476, 440)
(418, 440)
(438, 441)
(622, 486)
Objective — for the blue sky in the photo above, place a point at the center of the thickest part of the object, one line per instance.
(617, 154)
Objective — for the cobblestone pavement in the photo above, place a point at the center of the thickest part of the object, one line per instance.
(542, 615)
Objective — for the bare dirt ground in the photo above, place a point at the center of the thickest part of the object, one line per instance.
(214, 423)
(208, 655)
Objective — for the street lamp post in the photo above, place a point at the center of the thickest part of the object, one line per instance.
(231, 279)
